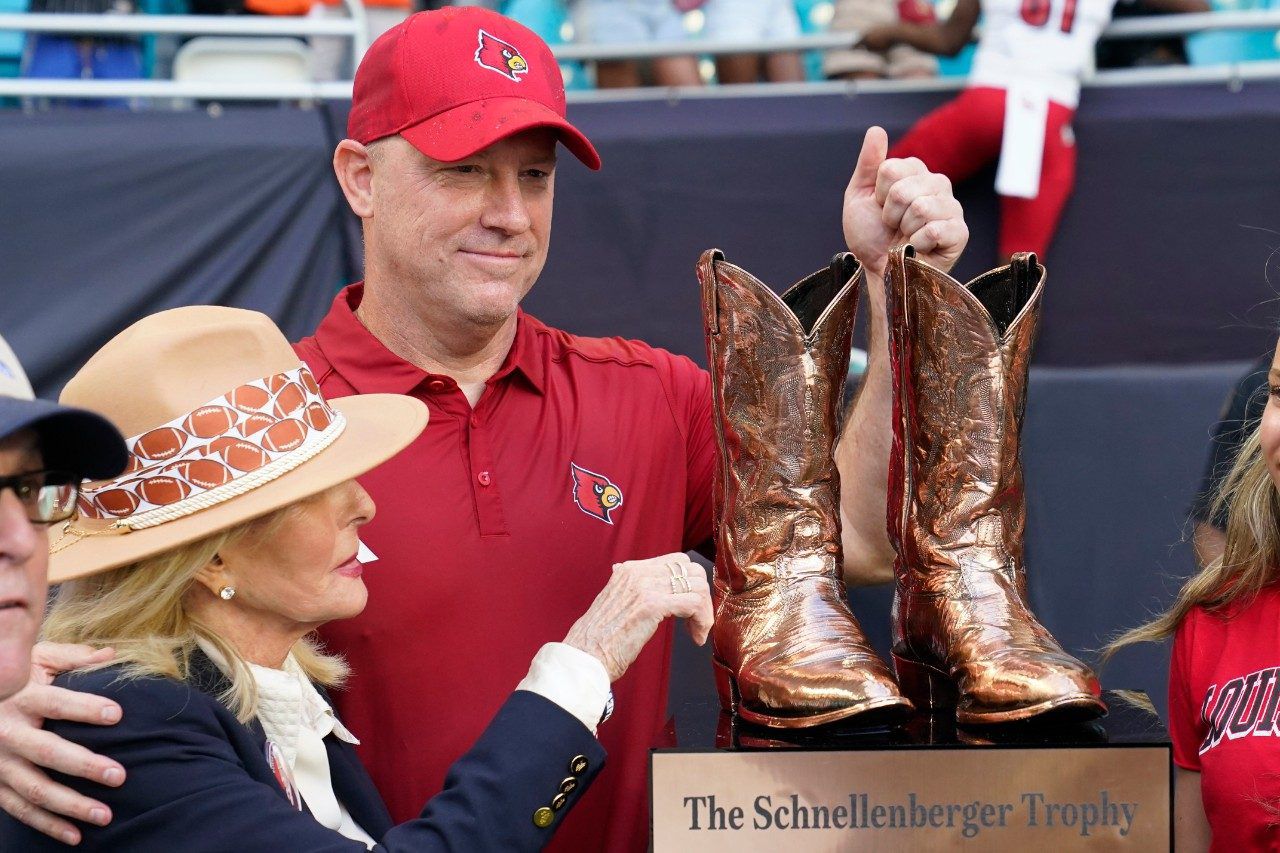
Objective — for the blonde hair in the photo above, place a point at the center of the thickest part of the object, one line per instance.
(140, 611)
(1249, 561)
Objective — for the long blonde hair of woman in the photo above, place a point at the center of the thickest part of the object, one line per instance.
(1249, 561)
(138, 610)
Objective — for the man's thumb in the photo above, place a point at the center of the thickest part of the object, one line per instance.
(875, 148)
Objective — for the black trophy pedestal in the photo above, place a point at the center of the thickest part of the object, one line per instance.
(703, 725)
(1103, 784)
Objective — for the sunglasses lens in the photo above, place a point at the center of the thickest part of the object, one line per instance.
(49, 496)
(56, 503)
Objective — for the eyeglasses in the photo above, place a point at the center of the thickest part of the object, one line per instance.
(47, 496)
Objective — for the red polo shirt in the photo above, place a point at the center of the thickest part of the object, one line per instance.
(492, 540)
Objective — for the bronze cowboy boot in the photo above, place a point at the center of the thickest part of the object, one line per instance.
(788, 653)
(961, 623)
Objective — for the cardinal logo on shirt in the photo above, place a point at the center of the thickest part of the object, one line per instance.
(497, 55)
(594, 493)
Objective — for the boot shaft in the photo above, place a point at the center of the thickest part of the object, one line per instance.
(778, 366)
(959, 357)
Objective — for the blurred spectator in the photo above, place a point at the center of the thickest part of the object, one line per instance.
(605, 22)
(1018, 107)
(1134, 53)
(73, 57)
(382, 15)
(754, 20)
(331, 57)
(899, 61)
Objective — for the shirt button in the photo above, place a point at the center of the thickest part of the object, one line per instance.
(475, 420)
(437, 385)
(484, 478)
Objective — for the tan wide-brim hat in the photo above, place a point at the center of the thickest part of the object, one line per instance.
(225, 424)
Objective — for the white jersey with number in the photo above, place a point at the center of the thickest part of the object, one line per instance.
(1046, 43)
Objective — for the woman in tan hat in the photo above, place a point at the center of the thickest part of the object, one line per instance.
(231, 536)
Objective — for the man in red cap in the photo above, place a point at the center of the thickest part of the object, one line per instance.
(549, 457)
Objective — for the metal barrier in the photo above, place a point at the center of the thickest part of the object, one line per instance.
(354, 27)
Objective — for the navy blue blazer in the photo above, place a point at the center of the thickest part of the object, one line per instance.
(198, 779)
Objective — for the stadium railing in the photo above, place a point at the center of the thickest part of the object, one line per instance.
(353, 28)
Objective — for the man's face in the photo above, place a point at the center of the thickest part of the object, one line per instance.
(468, 238)
(24, 560)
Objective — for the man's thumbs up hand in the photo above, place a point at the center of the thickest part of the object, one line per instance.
(893, 201)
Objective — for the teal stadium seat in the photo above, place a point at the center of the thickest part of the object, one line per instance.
(960, 64)
(1218, 48)
(550, 20)
(815, 17)
(158, 51)
(11, 42)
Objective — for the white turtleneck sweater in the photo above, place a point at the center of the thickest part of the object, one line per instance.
(296, 719)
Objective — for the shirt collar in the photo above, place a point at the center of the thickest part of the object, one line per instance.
(525, 356)
(286, 700)
(369, 367)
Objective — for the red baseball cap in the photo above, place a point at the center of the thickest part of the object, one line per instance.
(458, 79)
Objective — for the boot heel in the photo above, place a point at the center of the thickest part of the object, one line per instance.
(725, 686)
(927, 686)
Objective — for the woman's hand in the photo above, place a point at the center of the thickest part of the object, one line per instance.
(639, 596)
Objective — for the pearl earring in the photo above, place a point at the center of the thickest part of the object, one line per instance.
(227, 593)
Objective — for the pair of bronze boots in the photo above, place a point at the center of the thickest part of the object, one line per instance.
(788, 653)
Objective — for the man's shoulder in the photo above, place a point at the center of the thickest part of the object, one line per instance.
(146, 699)
(332, 383)
(308, 349)
(609, 353)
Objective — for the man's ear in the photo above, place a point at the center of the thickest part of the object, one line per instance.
(354, 168)
(213, 576)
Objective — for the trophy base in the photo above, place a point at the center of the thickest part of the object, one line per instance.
(1102, 784)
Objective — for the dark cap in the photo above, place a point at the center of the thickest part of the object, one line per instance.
(73, 440)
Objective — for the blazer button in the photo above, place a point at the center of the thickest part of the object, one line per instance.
(558, 801)
(578, 765)
(543, 817)
(568, 785)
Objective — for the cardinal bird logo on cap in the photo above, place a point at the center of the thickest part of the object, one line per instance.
(497, 55)
(594, 494)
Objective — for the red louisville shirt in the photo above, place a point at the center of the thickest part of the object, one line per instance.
(1224, 718)
(495, 531)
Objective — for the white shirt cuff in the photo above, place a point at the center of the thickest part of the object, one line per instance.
(571, 678)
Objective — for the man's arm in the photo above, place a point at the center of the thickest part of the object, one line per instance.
(887, 203)
(1176, 6)
(946, 38)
